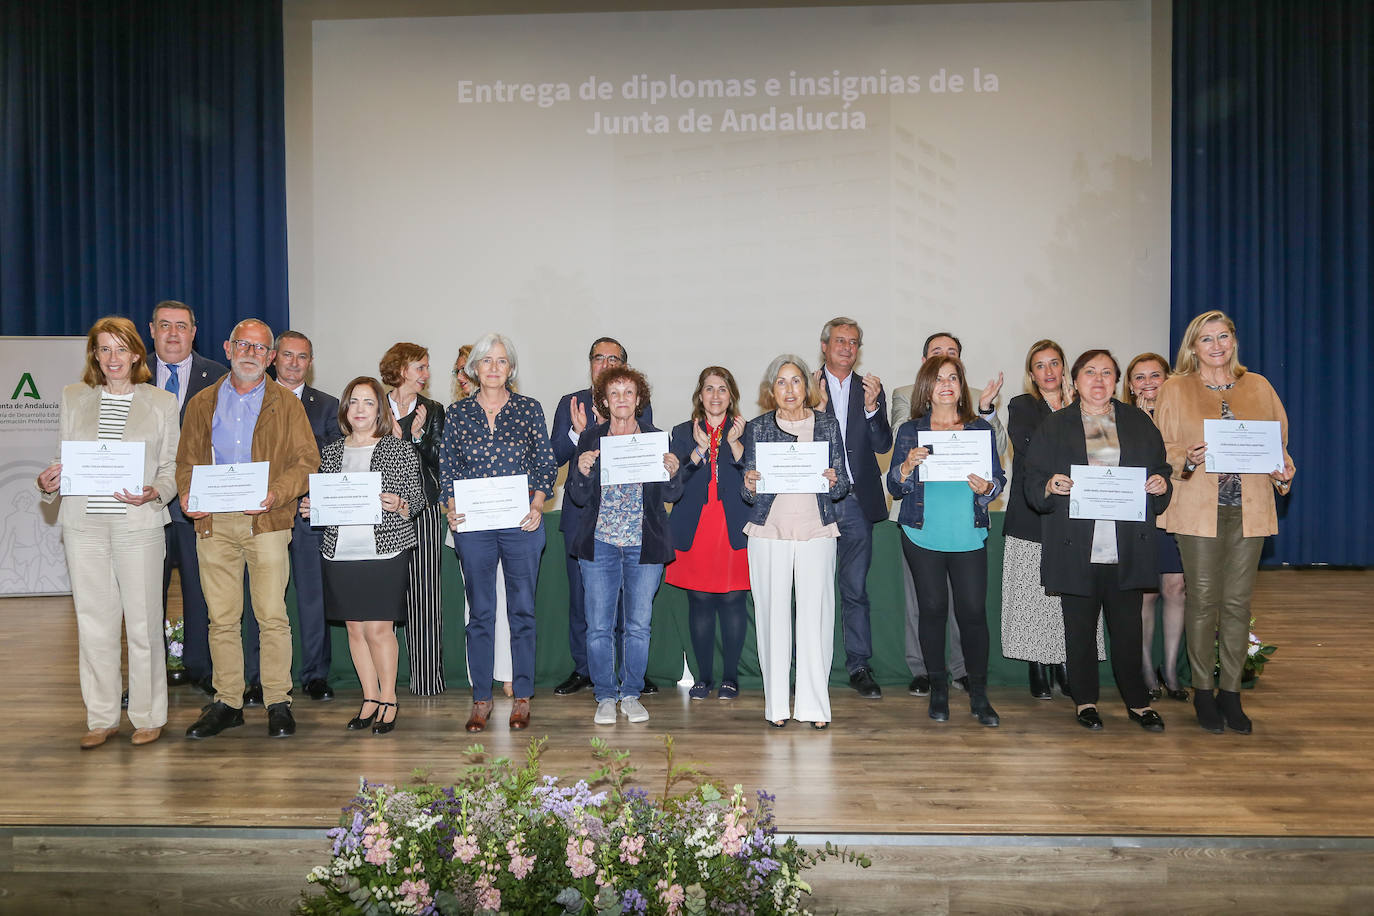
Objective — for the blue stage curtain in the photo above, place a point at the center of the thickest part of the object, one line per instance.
(141, 158)
(1272, 224)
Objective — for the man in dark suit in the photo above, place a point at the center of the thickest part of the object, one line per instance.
(860, 405)
(573, 414)
(180, 370)
(295, 355)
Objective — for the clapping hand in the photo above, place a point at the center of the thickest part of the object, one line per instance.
(990, 392)
(873, 386)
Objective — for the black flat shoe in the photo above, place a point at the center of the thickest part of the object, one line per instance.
(252, 695)
(862, 681)
(360, 721)
(1089, 719)
(649, 688)
(1040, 681)
(920, 686)
(319, 689)
(1164, 689)
(572, 684)
(378, 726)
(1149, 720)
(214, 719)
(960, 682)
(280, 722)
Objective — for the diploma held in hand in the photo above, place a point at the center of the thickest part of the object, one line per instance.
(636, 458)
(792, 467)
(346, 499)
(101, 468)
(955, 454)
(489, 503)
(228, 487)
(1243, 446)
(1101, 492)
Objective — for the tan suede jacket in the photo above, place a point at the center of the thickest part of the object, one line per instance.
(1184, 402)
(282, 437)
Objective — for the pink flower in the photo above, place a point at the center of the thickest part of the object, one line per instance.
(465, 847)
(671, 894)
(631, 848)
(520, 865)
(488, 897)
(732, 838)
(579, 857)
(377, 844)
(416, 893)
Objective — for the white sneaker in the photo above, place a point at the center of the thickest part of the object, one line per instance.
(605, 713)
(634, 710)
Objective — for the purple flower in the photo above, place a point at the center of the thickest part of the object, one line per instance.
(632, 901)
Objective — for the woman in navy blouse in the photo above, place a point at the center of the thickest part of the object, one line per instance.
(498, 433)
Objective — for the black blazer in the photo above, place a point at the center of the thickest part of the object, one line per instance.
(1066, 557)
(427, 445)
(696, 483)
(584, 490)
(323, 412)
(564, 451)
(1025, 413)
(864, 440)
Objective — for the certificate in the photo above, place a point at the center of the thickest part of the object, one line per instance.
(101, 468)
(346, 499)
(954, 454)
(1104, 492)
(636, 458)
(228, 487)
(488, 503)
(792, 467)
(1243, 446)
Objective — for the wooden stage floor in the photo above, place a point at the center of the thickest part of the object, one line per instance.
(881, 773)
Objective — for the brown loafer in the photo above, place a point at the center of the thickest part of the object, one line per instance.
(97, 736)
(145, 736)
(520, 714)
(481, 709)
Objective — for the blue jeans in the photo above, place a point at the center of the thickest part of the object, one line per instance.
(613, 575)
(519, 552)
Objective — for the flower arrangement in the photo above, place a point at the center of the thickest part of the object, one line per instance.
(175, 634)
(1257, 653)
(507, 839)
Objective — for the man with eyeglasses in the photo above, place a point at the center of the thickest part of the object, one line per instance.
(247, 418)
(574, 412)
(185, 373)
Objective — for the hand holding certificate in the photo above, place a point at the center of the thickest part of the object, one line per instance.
(1243, 446)
(101, 468)
(353, 498)
(955, 454)
(792, 467)
(489, 503)
(636, 458)
(228, 487)
(1103, 492)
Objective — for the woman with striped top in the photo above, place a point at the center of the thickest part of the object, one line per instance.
(113, 541)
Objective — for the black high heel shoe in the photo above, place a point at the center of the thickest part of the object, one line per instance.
(1180, 694)
(360, 722)
(378, 726)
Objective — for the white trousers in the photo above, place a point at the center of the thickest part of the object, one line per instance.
(502, 669)
(116, 577)
(774, 567)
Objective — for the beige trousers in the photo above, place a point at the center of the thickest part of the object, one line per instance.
(116, 577)
(1220, 574)
(223, 556)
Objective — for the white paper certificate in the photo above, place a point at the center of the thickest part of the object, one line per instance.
(228, 487)
(488, 503)
(792, 467)
(102, 467)
(1243, 446)
(346, 499)
(636, 458)
(1102, 492)
(955, 454)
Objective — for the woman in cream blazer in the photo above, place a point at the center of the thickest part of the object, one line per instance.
(114, 544)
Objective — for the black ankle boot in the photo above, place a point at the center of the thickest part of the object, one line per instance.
(1059, 674)
(1207, 715)
(978, 703)
(939, 698)
(1228, 702)
(1040, 681)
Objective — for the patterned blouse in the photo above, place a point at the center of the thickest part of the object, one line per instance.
(519, 445)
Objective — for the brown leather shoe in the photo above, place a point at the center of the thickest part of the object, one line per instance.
(481, 709)
(520, 714)
(97, 736)
(145, 736)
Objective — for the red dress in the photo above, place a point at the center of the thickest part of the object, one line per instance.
(711, 565)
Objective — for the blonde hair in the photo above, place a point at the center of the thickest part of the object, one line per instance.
(1186, 362)
(1028, 382)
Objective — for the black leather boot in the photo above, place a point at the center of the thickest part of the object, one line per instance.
(1207, 714)
(939, 698)
(978, 703)
(1040, 681)
(1228, 702)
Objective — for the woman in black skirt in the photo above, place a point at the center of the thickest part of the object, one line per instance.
(367, 566)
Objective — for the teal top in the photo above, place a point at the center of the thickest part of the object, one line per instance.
(948, 523)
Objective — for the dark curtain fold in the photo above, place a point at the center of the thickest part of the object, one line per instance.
(142, 146)
(1271, 224)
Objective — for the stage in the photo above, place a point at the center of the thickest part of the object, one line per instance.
(1038, 814)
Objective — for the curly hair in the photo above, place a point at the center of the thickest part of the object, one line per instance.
(395, 360)
(620, 374)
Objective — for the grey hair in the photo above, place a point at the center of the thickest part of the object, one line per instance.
(841, 322)
(483, 346)
(770, 375)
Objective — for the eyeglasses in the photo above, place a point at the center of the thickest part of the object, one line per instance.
(243, 346)
(610, 360)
